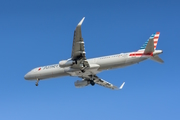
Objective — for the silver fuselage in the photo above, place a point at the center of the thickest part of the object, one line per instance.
(96, 65)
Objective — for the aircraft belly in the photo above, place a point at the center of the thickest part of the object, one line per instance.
(131, 60)
(59, 72)
(93, 69)
(52, 73)
(111, 63)
(143, 58)
(119, 62)
(134, 60)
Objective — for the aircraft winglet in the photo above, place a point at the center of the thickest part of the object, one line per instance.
(121, 87)
(80, 23)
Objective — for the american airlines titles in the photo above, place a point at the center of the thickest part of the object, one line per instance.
(51, 66)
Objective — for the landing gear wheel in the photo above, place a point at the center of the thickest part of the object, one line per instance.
(37, 82)
(83, 71)
(92, 83)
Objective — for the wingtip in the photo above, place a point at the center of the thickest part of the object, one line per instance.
(80, 23)
(121, 87)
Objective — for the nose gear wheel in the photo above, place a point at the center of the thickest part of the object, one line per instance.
(37, 82)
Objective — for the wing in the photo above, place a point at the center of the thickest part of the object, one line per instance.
(103, 83)
(107, 84)
(78, 50)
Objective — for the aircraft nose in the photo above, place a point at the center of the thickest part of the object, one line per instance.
(27, 76)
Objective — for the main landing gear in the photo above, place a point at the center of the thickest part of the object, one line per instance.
(83, 71)
(92, 82)
(37, 82)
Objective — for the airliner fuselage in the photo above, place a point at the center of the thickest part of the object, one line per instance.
(96, 65)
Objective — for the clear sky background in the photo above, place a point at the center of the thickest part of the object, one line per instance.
(40, 32)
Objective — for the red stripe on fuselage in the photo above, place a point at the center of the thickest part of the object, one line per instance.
(141, 54)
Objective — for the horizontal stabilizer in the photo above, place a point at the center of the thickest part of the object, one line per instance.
(157, 59)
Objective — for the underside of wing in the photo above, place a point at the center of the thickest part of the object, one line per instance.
(99, 81)
(105, 84)
(78, 50)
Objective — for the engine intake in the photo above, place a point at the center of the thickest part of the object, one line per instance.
(81, 83)
(66, 63)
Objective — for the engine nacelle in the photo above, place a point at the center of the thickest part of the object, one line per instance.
(81, 83)
(66, 63)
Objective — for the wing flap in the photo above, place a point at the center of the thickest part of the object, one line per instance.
(107, 84)
(102, 82)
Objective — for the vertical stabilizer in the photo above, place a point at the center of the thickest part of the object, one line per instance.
(142, 48)
(156, 37)
(152, 41)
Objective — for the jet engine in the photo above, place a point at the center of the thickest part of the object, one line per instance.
(81, 83)
(66, 63)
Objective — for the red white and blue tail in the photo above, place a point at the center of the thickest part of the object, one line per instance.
(148, 49)
(154, 36)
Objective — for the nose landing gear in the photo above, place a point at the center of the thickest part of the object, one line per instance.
(37, 82)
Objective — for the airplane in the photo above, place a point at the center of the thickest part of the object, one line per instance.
(87, 69)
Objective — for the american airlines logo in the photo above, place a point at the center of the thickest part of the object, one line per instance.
(51, 66)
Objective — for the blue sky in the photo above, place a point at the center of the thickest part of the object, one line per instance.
(37, 33)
